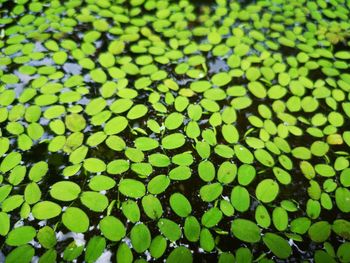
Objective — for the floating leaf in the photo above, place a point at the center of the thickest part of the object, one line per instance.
(47, 237)
(25, 253)
(158, 246)
(65, 191)
(4, 224)
(264, 157)
(169, 229)
(152, 206)
(131, 210)
(211, 192)
(267, 190)
(319, 231)
(46, 210)
(94, 201)
(342, 199)
(94, 248)
(115, 125)
(10, 161)
(180, 205)
(75, 220)
(158, 184)
(211, 217)
(173, 141)
(101, 182)
(94, 165)
(20, 236)
(180, 254)
(112, 228)
(137, 112)
(192, 229)
(240, 198)
(279, 246)
(140, 237)
(132, 188)
(245, 230)
(124, 253)
(75, 122)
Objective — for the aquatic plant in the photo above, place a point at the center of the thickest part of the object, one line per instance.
(183, 131)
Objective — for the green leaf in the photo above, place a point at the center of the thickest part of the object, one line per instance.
(124, 254)
(75, 122)
(72, 251)
(50, 256)
(145, 143)
(46, 210)
(94, 248)
(257, 89)
(159, 160)
(267, 190)
(47, 237)
(206, 240)
(75, 220)
(140, 237)
(226, 257)
(211, 217)
(137, 112)
(227, 172)
(94, 201)
(152, 206)
(20, 235)
(11, 203)
(343, 252)
(342, 199)
(112, 228)
(116, 125)
(118, 166)
(245, 230)
(210, 192)
(243, 154)
(180, 205)
(173, 121)
(94, 165)
(280, 218)
(173, 141)
(10, 161)
(221, 79)
(22, 254)
(32, 193)
(324, 170)
(240, 198)
(132, 188)
(180, 173)
(300, 225)
(4, 224)
(65, 191)
(342, 228)
(169, 229)
(192, 229)
(278, 245)
(264, 157)
(158, 246)
(319, 231)
(262, 216)
(101, 182)
(158, 184)
(131, 211)
(180, 254)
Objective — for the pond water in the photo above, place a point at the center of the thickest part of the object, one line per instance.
(174, 131)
